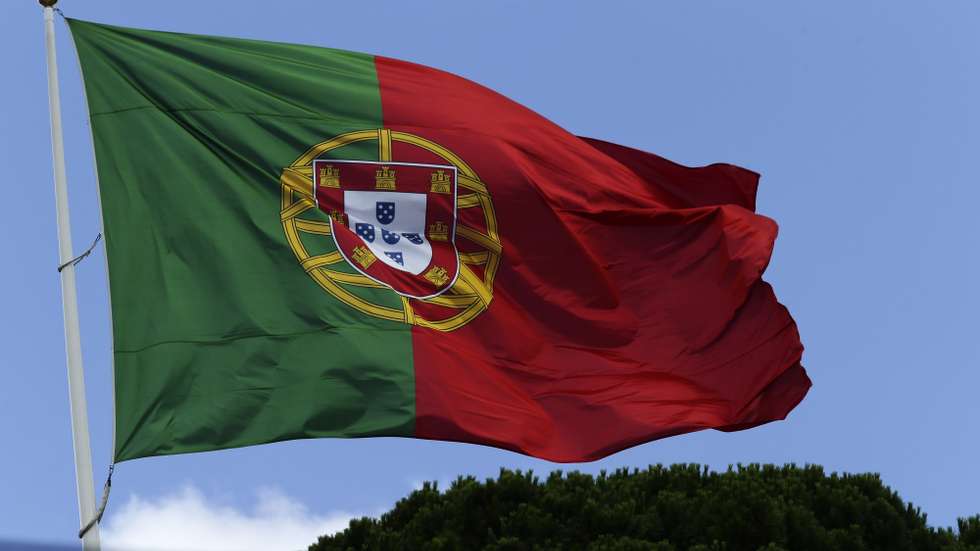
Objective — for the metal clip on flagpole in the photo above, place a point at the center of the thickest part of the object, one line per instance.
(73, 346)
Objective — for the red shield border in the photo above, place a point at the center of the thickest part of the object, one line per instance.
(331, 177)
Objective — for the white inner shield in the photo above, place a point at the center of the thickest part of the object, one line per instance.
(407, 222)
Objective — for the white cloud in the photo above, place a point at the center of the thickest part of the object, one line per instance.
(188, 521)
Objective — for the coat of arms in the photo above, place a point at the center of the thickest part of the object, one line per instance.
(393, 226)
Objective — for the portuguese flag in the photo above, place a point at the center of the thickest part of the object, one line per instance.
(306, 242)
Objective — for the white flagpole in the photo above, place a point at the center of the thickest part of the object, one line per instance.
(69, 302)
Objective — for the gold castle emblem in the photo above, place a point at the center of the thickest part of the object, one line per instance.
(440, 182)
(364, 257)
(338, 217)
(437, 275)
(438, 231)
(384, 178)
(329, 176)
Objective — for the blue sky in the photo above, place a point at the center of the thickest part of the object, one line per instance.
(861, 116)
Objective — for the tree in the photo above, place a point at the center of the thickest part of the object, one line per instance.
(682, 507)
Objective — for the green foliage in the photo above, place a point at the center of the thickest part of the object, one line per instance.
(683, 507)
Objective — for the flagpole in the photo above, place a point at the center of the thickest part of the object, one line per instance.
(69, 301)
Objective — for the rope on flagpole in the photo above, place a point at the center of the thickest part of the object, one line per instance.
(81, 257)
(97, 519)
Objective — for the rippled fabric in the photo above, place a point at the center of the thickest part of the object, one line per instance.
(627, 304)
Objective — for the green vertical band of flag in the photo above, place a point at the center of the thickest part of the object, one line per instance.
(221, 339)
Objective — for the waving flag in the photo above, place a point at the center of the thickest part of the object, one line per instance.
(306, 242)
